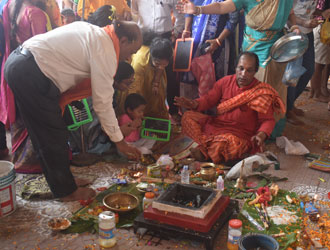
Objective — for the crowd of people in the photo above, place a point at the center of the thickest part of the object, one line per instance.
(119, 55)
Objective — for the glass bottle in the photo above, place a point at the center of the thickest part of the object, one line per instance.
(107, 223)
(148, 199)
(234, 234)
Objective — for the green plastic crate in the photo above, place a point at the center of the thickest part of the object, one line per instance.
(156, 129)
(80, 116)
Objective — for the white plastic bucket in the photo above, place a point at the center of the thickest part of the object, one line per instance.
(7, 188)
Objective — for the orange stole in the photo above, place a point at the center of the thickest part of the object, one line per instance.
(83, 90)
(259, 98)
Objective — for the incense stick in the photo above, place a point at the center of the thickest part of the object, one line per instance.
(266, 213)
(263, 219)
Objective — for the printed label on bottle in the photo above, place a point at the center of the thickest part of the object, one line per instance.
(106, 233)
(233, 239)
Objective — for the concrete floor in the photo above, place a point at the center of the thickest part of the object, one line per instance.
(26, 228)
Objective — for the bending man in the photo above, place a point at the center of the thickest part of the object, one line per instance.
(244, 119)
(50, 64)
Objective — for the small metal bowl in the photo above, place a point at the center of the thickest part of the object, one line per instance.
(121, 202)
(208, 172)
(59, 224)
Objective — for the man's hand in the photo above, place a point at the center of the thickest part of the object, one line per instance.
(131, 152)
(259, 139)
(185, 6)
(185, 102)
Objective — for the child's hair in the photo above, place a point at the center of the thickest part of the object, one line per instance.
(133, 101)
(103, 16)
(67, 12)
(161, 48)
(124, 71)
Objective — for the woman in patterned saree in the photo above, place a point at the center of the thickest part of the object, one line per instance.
(21, 20)
(212, 29)
(265, 20)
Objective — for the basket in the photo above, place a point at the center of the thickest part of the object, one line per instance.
(79, 116)
(156, 129)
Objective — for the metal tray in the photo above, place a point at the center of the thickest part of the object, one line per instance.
(289, 47)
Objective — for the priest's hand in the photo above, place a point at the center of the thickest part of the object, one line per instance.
(259, 140)
(131, 152)
(185, 103)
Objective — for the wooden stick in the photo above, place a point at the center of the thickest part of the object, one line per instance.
(278, 235)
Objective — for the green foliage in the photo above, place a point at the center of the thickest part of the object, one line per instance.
(82, 221)
(289, 230)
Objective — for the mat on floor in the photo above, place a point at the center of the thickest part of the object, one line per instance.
(35, 186)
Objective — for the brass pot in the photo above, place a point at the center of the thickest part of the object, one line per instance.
(208, 172)
(120, 202)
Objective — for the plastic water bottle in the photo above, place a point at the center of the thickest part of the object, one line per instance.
(220, 183)
(185, 175)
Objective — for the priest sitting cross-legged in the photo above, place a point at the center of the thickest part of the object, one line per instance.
(244, 120)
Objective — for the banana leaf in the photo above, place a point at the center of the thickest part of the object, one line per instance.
(82, 221)
(290, 230)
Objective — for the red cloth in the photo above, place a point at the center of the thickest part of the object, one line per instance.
(134, 135)
(202, 68)
(242, 121)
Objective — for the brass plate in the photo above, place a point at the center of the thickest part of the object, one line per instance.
(289, 47)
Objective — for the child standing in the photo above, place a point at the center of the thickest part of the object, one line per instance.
(130, 123)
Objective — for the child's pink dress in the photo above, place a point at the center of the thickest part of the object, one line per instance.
(144, 145)
(134, 135)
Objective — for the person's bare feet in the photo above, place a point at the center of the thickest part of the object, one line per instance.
(298, 112)
(325, 91)
(197, 154)
(293, 119)
(176, 118)
(82, 182)
(321, 98)
(81, 193)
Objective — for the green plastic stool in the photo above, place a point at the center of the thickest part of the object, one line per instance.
(79, 117)
(156, 129)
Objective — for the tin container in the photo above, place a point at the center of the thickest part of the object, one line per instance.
(7, 188)
(154, 171)
(107, 223)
